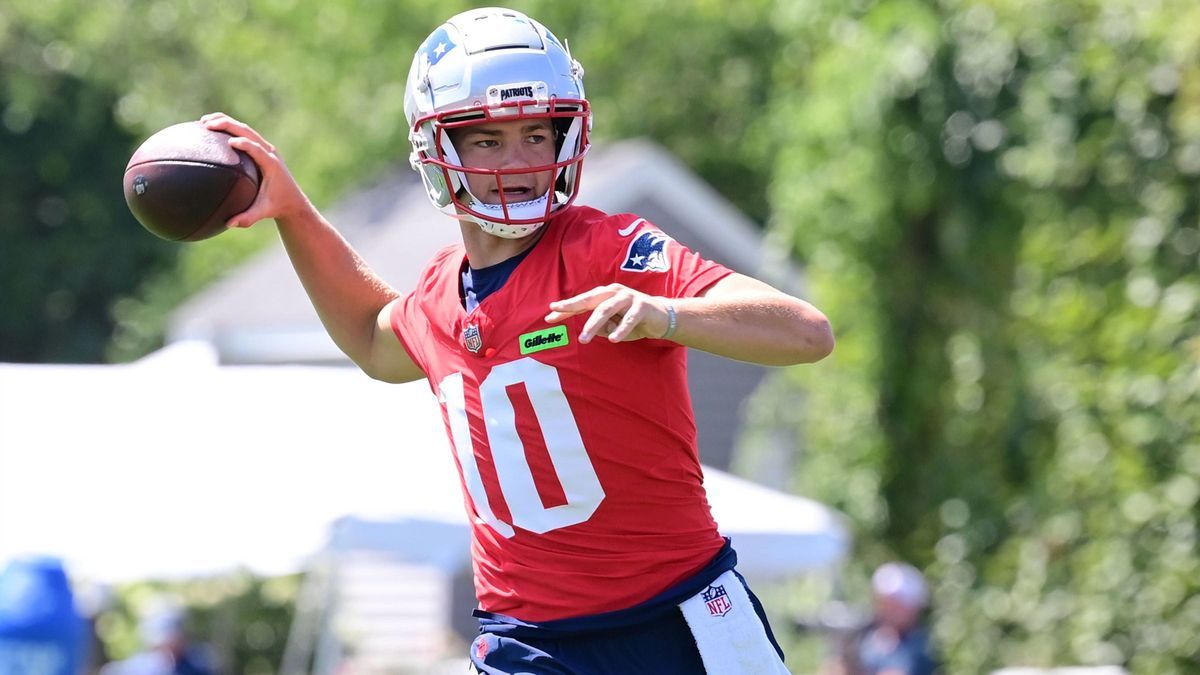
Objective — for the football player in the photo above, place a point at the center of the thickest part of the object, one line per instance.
(555, 339)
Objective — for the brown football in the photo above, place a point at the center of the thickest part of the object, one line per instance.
(185, 182)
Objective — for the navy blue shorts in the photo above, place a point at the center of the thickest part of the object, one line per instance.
(661, 647)
(650, 639)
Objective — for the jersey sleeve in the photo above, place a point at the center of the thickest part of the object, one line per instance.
(634, 252)
(410, 316)
(408, 322)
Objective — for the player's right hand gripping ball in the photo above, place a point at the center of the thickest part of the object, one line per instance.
(185, 181)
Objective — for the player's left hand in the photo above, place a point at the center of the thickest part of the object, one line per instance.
(618, 312)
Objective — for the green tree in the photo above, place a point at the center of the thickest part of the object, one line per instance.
(998, 204)
(693, 76)
(83, 82)
(325, 81)
(243, 618)
(70, 245)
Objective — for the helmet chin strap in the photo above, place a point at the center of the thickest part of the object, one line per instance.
(527, 209)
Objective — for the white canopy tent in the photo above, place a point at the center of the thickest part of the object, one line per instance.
(175, 466)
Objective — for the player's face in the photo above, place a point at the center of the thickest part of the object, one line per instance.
(517, 144)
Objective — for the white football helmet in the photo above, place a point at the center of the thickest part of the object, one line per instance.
(495, 64)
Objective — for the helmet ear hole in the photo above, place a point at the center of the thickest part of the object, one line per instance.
(561, 126)
(452, 136)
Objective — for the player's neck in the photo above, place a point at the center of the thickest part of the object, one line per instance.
(485, 250)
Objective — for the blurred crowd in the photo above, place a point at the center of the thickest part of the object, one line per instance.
(44, 632)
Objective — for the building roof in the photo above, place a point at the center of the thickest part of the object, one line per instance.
(260, 313)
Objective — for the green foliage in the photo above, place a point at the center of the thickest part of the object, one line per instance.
(689, 75)
(998, 204)
(243, 618)
(70, 244)
(325, 82)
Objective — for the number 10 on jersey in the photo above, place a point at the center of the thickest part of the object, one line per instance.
(570, 460)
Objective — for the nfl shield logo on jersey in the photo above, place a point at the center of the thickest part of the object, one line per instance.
(717, 600)
(648, 253)
(471, 338)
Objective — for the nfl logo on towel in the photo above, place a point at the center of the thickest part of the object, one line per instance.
(717, 600)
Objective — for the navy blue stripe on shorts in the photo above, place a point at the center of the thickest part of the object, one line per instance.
(651, 638)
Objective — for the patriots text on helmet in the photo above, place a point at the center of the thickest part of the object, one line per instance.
(513, 92)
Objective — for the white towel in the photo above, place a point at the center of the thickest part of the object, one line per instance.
(731, 638)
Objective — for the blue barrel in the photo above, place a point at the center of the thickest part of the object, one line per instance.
(41, 631)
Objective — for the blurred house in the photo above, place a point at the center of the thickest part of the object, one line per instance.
(260, 314)
(1065, 670)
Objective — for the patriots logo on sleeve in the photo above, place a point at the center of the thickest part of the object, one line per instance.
(648, 253)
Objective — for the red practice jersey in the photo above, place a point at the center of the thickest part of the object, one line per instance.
(579, 464)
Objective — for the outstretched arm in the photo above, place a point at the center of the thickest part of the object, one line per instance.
(738, 317)
(352, 301)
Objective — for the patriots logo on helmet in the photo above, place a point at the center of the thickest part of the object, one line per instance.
(648, 253)
(438, 45)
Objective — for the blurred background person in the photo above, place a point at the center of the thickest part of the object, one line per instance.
(170, 649)
(92, 600)
(895, 640)
(41, 632)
